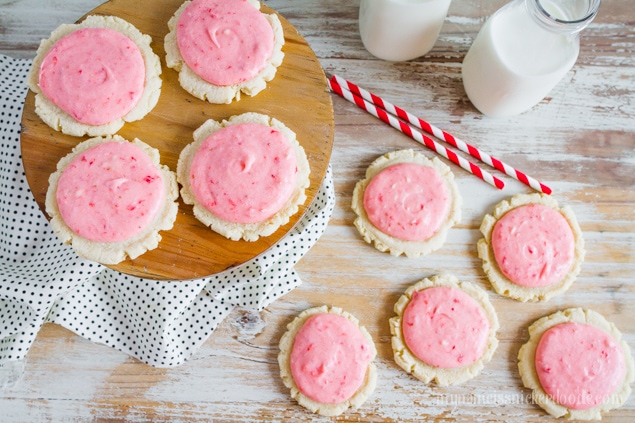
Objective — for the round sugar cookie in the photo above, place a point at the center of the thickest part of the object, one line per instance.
(525, 259)
(94, 90)
(406, 204)
(445, 330)
(326, 360)
(245, 176)
(222, 58)
(576, 364)
(109, 198)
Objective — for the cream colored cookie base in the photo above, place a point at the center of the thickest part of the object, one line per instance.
(424, 371)
(527, 368)
(386, 243)
(246, 231)
(199, 88)
(499, 281)
(286, 345)
(58, 119)
(114, 252)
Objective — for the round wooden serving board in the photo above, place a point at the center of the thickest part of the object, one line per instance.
(298, 96)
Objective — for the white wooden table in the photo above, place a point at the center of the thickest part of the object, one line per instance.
(580, 141)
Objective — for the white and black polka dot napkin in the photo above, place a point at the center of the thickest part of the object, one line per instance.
(160, 323)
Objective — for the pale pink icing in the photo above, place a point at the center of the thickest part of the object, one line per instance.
(579, 366)
(444, 327)
(110, 192)
(533, 245)
(96, 75)
(224, 42)
(244, 173)
(407, 201)
(329, 358)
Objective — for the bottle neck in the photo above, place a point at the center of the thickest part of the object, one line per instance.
(563, 16)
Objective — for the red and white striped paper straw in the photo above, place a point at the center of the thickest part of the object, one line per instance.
(416, 135)
(445, 136)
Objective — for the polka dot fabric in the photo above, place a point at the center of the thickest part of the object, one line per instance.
(160, 323)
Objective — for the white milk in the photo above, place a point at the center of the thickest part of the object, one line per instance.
(398, 30)
(517, 59)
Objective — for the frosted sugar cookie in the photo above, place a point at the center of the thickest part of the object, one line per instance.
(445, 330)
(326, 360)
(576, 364)
(109, 198)
(91, 78)
(406, 204)
(246, 176)
(532, 249)
(224, 47)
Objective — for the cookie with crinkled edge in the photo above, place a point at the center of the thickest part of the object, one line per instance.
(529, 376)
(499, 281)
(286, 346)
(424, 371)
(233, 230)
(386, 243)
(217, 94)
(61, 121)
(114, 252)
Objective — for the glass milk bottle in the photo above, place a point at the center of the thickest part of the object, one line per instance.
(522, 51)
(399, 30)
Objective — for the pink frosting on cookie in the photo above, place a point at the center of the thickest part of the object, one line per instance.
(225, 42)
(445, 327)
(329, 359)
(96, 75)
(244, 173)
(579, 366)
(533, 245)
(407, 201)
(110, 192)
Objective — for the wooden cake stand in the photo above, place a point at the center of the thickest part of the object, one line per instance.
(298, 96)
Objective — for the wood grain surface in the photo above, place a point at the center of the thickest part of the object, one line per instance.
(580, 141)
(297, 96)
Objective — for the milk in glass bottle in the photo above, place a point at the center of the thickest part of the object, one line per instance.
(399, 30)
(522, 51)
